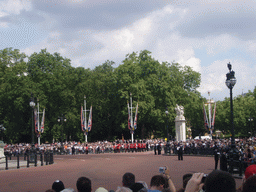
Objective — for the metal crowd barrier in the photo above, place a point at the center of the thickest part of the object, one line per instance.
(29, 159)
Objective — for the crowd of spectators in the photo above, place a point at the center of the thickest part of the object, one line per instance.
(216, 181)
(246, 147)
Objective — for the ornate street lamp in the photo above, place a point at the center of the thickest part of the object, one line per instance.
(251, 120)
(32, 151)
(62, 119)
(233, 153)
(168, 139)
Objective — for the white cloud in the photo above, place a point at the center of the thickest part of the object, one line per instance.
(4, 24)
(220, 43)
(15, 6)
(186, 57)
(158, 32)
(213, 77)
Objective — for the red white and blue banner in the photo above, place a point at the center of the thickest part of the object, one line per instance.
(213, 118)
(82, 119)
(42, 122)
(90, 120)
(136, 117)
(36, 121)
(129, 118)
(205, 119)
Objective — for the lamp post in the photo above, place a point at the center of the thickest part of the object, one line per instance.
(62, 119)
(230, 82)
(168, 139)
(251, 120)
(32, 152)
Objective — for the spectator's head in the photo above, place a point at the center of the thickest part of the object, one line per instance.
(58, 186)
(250, 184)
(128, 179)
(249, 171)
(220, 181)
(83, 184)
(50, 190)
(157, 182)
(136, 187)
(143, 183)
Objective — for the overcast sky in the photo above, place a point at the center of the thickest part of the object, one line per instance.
(203, 34)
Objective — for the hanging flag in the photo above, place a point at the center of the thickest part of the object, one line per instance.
(205, 119)
(36, 120)
(90, 120)
(213, 118)
(129, 119)
(42, 122)
(136, 117)
(82, 119)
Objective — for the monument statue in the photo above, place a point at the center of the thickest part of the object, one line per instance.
(2, 157)
(180, 123)
(179, 110)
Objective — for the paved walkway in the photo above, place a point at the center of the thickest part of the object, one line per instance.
(104, 170)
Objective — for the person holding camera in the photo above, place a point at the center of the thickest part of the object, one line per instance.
(163, 182)
(216, 181)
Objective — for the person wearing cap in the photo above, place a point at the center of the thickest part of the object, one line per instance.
(58, 186)
(101, 189)
(249, 171)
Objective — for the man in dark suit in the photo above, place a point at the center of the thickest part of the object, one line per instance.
(180, 152)
(155, 148)
(159, 148)
(216, 155)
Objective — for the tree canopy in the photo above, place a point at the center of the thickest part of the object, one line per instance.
(60, 89)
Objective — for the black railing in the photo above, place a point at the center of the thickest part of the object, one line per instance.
(12, 161)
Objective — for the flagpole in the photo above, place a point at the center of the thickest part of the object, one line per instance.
(209, 109)
(131, 117)
(85, 118)
(38, 119)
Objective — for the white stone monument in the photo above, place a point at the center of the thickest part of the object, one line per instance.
(2, 157)
(180, 124)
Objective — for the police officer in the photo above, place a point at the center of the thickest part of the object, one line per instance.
(159, 148)
(223, 160)
(180, 152)
(155, 148)
(73, 150)
(216, 155)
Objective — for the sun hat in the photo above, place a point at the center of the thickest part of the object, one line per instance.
(249, 171)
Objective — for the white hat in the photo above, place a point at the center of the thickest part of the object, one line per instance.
(101, 189)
